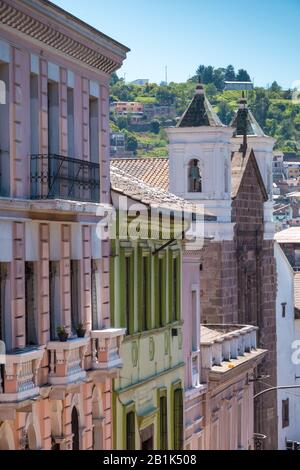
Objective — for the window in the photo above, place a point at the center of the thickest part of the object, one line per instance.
(283, 309)
(160, 292)
(178, 419)
(163, 419)
(53, 118)
(30, 304)
(130, 431)
(3, 300)
(195, 177)
(175, 290)
(75, 295)
(94, 130)
(34, 114)
(285, 413)
(239, 426)
(75, 429)
(4, 134)
(195, 323)
(54, 287)
(127, 294)
(70, 108)
(95, 286)
(144, 293)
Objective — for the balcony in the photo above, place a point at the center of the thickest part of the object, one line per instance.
(106, 357)
(66, 361)
(58, 177)
(20, 375)
(227, 347)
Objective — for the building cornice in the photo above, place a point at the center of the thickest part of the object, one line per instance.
(40, 20)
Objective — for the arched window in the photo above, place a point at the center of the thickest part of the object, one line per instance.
(75, 429)
(195, 177)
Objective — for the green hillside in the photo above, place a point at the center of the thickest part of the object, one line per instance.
(273, 108)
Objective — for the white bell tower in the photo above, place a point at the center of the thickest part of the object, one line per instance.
(200, 158)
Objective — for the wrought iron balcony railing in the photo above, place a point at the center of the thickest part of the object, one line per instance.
(58, 177)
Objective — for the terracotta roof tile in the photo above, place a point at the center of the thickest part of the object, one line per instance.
(154, 171)
(128, 185)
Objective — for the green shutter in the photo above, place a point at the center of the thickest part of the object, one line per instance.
(163, 418)
(178, 294)
(122, 289)
(130, 431)
(112, 290)
(174, 316)
(159, 322)
(141, 295)
(178, 419)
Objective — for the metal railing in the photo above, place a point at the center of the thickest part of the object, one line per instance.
(58, 177)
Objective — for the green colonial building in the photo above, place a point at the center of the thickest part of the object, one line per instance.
(146, 300)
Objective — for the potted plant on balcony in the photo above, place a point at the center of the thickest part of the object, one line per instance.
(80, 330)
(62, 334)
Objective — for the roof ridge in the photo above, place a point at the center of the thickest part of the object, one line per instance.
(199, 112)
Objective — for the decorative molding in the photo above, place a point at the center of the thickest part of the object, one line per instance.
(32, 27)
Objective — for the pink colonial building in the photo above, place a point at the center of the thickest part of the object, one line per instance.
(54, 271)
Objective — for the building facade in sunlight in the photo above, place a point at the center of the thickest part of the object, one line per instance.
(146, 299)
(228, 284)
(54, 272)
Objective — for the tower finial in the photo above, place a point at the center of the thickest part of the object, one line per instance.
(243, 116)
(199, 89)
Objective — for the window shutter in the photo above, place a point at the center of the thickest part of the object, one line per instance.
(178, 419)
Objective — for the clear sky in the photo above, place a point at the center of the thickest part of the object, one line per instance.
(262, 36)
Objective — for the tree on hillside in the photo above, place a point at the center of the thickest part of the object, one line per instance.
(275, 87)
(260, 105)
(199, 72)
(211, 90)
(114, 79)
(155, 126)
(243, 76)
(230, 74)
(164, 96)
(208, 75)
(225, 112)
(123, 122)
(131, 143)
(218, 79)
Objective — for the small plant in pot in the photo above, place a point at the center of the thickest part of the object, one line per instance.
(62, 334)
(80, 330)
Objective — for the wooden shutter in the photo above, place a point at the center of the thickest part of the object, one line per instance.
(130, 431)
(75, 272)
(178, 419)
(94, 290)
(30, 302)
(163, 424)
(3, 283)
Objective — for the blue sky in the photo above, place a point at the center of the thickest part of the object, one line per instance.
(262, 36)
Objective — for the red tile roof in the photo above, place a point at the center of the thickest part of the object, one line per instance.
(153, 171)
